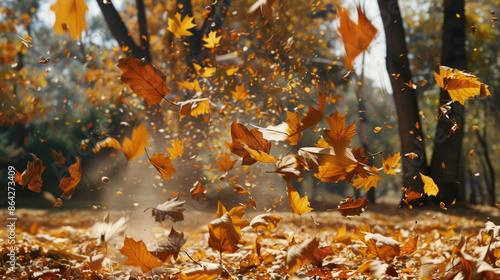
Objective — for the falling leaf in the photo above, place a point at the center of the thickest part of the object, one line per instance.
(177, 150)
(460, 85)
(342, 235)
(138, 255)
(339, 136)
(306, 253)
(260, 156)
(206, 72)
(194, 107)
(32, 176)
(356, 37)
(430, 188)
(198, 191)
(163, 164)
(251, 138)
(27, 40)
(180, 27)
(225, 164)
(109, 142)
(300, 205)
(411, 195)
(68, 184)
(368, 181)
(348, 207)
(265, 221)
(70, 15)
(391, 164)
(411, 155)
(135, 147)
(57, 156)
(145, 79)
(171, 209)
(223, 237)
(212, 41)
(240, 93)
(291, 166)
(106, 231)
(377, 129)
(170, 248)
(261, 6)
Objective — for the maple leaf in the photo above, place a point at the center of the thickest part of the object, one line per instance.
(135, 147)
(430, 188)
(198, 191)
(170, 248)
(163, 164)
(356, 37)
(57, 156)
(225, 164)
(339, 136)
(223, 237)
(180, 27)
(32, 176)
(177, 149)
(171, 209)
(236, 213)
(330, 167)
(291, 166)
(265, 221)
(368, 181)
(70, 16)
(411, 195)
(460, 85)
(391, 164)
(300, 205)
(106, 231)
(206, 72)
(138, 255)
(194, 107)
(261, 6)
(145, 79)
(348, 207)
(212, 40)
(378, 245)
(306, 253)
(68, 184)
(251, 138)
(240, 93)
(109, 142)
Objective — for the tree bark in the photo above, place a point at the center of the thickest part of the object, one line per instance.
(446, 156)
(405, 97)
(120, 31)
(490, 182)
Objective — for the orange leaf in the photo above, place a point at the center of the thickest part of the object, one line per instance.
(300, 205)
(145, 79)
(369, 181)
(260, 156)
(138, 255)
(356, 37)
(135, 147)
(261, 6)
(411, 195)
(348, 208)
(68, 184)
(198, 191)
(291, 166)
(223, 237)
(378, 245)
(251, 138)
(339, 136)
(109, 142)
(163, 164)
(306, 253)
(57, 156)
(240, 93)
(225, 164)
(70, 16)
(32, 176)
(177, 150)
(391, 164)
(410, 247)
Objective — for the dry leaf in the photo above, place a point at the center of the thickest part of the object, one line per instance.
(225, 164)
(368, 181)
(170, 248)
(244, 138)
(291, 166)
(68, 184)
(348, 207)
(180, 27)
(194, 107)
(261, 6)
(240, 93)
(138, 255)
(212, 41)
(106, 231)
(145, 79)
(208, 271)
(411, 195)
(171, 209)
(198, 191)
(300, 205)
(163, 164)
(206, 72)
(32, 176)
(430, 188)
(391, 164)
(223, 237)
(177, 150)
(109, 142)
(70, 16)
(265, 221)
(410, 247)
(57, 156)
(378, 246)
(135, 147)
(306, 253)
(339, 136)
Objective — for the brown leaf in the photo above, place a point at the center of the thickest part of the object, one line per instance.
(244, 138)
(144, 78)
(170, 248)
(198, 191)
(223, 237)
(68, 184)
(411, 195)
(163, 164)
(171, 209)
(57, 156)
(291, 166)
(32, 176)
(378, 246)
(348, 208)
(138, 255)
(306, 253)
(261, 6)
(135, 147)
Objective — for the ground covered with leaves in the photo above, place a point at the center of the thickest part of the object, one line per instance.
(382, 242)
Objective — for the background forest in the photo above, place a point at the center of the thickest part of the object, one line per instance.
(61, 93)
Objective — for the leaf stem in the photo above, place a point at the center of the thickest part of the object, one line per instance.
(192, 259)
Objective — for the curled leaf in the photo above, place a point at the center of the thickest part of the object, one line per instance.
(171, 209)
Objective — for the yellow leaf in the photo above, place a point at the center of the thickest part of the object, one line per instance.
(70, 16)
(368, 182)
(391, 164)
(195, 85)
(177, 150)
(135, 147)
(460, 85)
(260, 156)
(212, 40)
(430, 188)
(109, 142)
(204, 72)
(300, 205)
(138, 255)
(194, 107)
(240, 93)
(180, 27)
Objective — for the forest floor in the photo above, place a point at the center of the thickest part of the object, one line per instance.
(398, 244)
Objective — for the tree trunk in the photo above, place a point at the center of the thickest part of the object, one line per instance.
(446, 156)
(405, 97)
